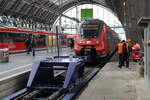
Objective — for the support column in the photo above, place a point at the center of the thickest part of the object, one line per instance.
(146, 53)
(145, 21)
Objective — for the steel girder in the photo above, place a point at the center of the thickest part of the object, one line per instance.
(129, 12)
(44, 11)
(72, 3)
(47, 11)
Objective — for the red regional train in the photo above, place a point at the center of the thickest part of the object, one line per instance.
(14, 39)
(95, 39)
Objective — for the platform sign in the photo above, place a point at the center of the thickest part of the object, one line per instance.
(86, 14)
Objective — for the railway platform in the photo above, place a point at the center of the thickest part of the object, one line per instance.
(15, 73)
(22, 62)
(113, 83)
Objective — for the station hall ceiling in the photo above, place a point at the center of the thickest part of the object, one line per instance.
(47, 11)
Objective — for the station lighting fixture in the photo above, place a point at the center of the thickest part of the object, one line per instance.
(124, 3)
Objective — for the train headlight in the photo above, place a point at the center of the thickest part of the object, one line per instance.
(80, 41)
(88, 42)
(97, 42)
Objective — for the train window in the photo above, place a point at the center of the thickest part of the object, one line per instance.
(89, 32)
(41, 40)
(110, 37)
(62, 40)
(1, 37)
(17, 37)
(4, 36)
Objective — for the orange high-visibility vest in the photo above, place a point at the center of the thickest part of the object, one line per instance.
(120, 48)
(127, 46)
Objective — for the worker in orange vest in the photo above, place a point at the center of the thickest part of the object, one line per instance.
(120, 52)
(125, 54)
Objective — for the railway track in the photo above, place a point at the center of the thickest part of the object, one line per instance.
(52, 94)
(60, 93)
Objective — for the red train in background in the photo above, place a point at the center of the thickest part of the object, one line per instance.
(95, 39)
(14, 39)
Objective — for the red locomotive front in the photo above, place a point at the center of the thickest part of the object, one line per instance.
(92, 39)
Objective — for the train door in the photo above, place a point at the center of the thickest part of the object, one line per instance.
(46, 40)
(3, 40)
(63, 41)
(50, 40)
(41, 41)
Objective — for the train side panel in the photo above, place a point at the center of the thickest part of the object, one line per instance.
(15, 39)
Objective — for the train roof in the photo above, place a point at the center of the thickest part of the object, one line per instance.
(92, 22)
(3, 29)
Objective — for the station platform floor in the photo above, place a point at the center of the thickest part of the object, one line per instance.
(113, 83)
(22, 62)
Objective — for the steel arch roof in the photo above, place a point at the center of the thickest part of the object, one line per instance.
(47, 11)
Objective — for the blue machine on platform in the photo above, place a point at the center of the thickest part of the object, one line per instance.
(58, 73)
(43, 74)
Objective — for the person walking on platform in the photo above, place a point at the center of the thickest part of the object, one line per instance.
(33, 45)
(28, 45)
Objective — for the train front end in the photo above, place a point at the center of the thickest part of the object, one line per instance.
(89, 39)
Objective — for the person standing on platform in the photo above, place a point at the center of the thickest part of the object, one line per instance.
(28, 44)
(71, 43)
(129, 42)
(125, 54)
(33, 45)
(119, 49)
(129, 46)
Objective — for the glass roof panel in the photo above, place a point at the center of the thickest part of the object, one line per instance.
(99, 12)
(58, 2)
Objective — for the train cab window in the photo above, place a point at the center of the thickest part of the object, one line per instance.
(89, 31)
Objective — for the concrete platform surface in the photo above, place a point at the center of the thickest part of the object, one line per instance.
(113, 83)
(22, 62)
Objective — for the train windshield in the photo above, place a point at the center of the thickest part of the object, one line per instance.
(89, 31)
